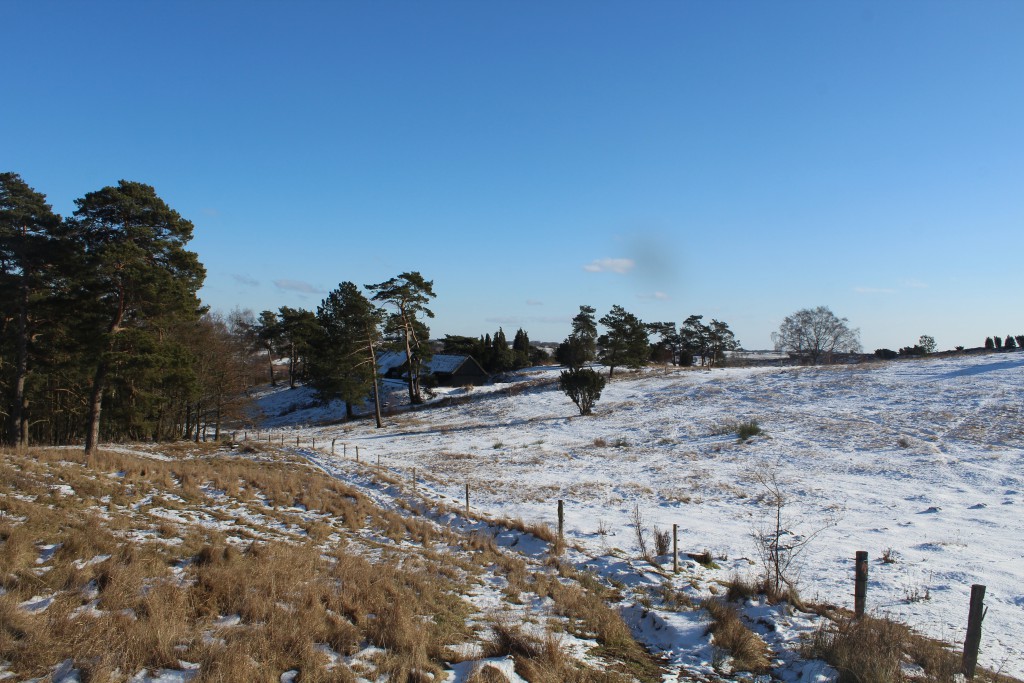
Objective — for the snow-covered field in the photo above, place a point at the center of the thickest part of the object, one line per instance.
(920, 460)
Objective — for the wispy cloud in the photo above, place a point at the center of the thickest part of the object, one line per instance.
(610, 265)
(534, 302)
(873, 290)
(297, 286)
(915, 284)
(246, 280)
(656, 296)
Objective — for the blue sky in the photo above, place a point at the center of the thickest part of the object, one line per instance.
(740, 160)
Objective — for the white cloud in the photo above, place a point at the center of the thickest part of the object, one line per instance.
(534, 302)
(610, 265)
(246, 280)
(657, 296)
(915, 284)
(298, 286)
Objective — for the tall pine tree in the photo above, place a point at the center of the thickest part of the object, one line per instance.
(32, 269)
(137, 279)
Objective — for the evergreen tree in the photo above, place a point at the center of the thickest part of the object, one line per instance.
(1010, 342)
(720, 340)
(989, 344)
(501, 356)
(270, 334)
(137, 278)
(461, 346)
(927, 343)
(298, 331)
(583, 386)
(408, 294)
(580, 347)
(344, 361)
(998, 340)
(1020, 341)
(625, 343)
(694, 340)
(32, 276)
(666, 349)
(520, 349)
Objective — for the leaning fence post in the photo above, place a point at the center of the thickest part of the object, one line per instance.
(675, 548)
(973, 640)
(860, 583)
(561, 521)
(332, 446)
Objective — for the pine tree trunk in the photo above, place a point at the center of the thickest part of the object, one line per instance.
(18, 433)
(92, 436)
(376, 390)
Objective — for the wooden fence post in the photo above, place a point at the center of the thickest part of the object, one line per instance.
(332, 446)
(296, 441)
(973, 640)
(245, 436)
(268, 439)
(357, 454)
(344, 450)
(314, 444)
(675, 548)
(561, 521)
(860, 583)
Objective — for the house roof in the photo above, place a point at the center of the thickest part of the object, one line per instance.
(439, 362)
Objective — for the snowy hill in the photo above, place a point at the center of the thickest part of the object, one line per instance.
(921, 461)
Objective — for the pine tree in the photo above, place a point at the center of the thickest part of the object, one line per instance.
(694, 338)
(625, 343)
(408, 294)
(580, 347)
(343, 364)
(1010, 342)
(298, 333)
(31, 277)
(137, 278)
(998, 340)
(989, 344)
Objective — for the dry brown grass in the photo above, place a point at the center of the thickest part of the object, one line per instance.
(869, 650)
(748, 651)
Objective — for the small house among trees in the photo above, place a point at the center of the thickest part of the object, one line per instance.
(446, 370)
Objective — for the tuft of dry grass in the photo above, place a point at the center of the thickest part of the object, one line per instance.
(870, 650)
(748, 651)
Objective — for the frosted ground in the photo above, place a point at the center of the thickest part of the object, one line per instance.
(921, 460)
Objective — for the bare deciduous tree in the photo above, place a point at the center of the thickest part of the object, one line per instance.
(816, 334)
(781, 535)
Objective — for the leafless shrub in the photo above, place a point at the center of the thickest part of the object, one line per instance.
(640, 530)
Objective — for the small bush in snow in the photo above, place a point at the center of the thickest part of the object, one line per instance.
(583, 387)
(745, 430)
